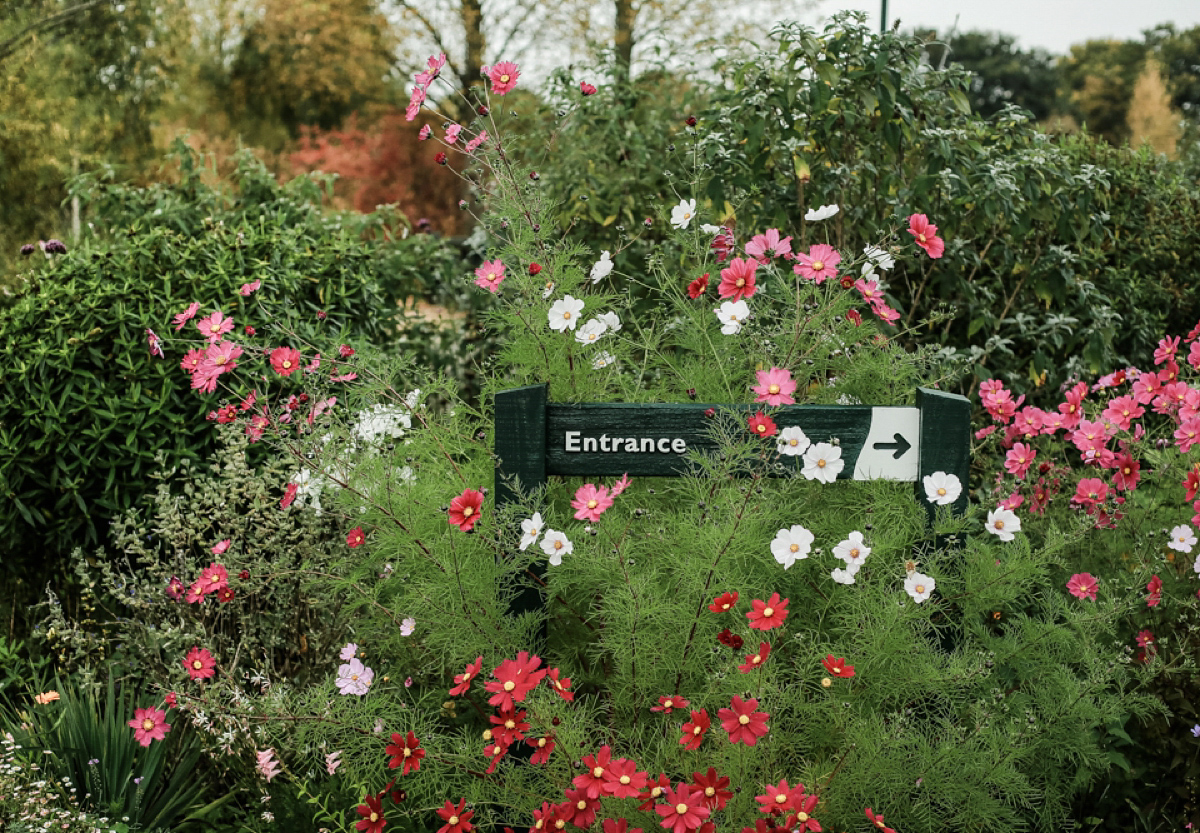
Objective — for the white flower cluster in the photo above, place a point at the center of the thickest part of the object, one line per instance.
(381, 421)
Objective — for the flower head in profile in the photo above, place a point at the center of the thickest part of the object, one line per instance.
(465, 509)
(1183, 538)
(819, 264)
(756, 659)
(46, 697)
(732, 314)
(592, 331)
(762, 246)
(248, 289)
(742, 720)
(667, 704)
(407, 626)
(148, 725)
(587, 89)
(823, 462)
(602, 268)
(590, 502)
(490, 275)
(1083, 586)
(816, 215)
(564, 313)
(199, 664)
(791, 545)
(769, 614)
(877, 820)
(942, 488)
(556, 544)
(1154, 587)
(185, 316)
(531, 528)
(919, 586)
(682, 214)
(462, 682)
(1003, 523)
(738, 279)
(792, 441)
(925, 235)
(503, 76)
(354, 678)
(724, 602)
(775, 387)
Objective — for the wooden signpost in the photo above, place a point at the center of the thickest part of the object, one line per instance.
(536, 439)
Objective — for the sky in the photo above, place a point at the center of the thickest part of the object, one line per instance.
(1049, 24)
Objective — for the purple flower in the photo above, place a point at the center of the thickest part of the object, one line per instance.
(1196, 731)
(27, 249)
(53, 246)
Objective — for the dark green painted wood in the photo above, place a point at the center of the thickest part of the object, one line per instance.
(945, 441)
(520, 440)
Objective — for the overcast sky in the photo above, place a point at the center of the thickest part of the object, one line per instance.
(1050, 24)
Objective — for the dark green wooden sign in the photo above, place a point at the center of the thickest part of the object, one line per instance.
(535, 439)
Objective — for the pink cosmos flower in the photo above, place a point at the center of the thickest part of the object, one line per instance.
(434, 64)
(199, 664)
(285, 360)
(474, 144)
(354, 678)
(248, 289)
(490, 275)
(213, 577)
(414, 103)
(185, 316)
(1083, 586)
(192, 360)
(218, 358)
(775, 387)
(148, 725)
(155, 343)
(424, 133)
(621, 485)
(214, 326)
(738, 279)
(763, 245)
(586, 88)
(818, 264)
(926, 235)
(175, 589)
(1018, 460)
(220, 547)
(503, 76)
(870, 291)
(590, 502)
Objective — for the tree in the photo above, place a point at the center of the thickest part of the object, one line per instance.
(1151, 119)
(1004, 73)
(1098, 77)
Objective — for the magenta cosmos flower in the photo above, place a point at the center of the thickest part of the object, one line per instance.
(490, 275)
(464, 509)
(199, 664)
(738, 279)
(925, 233)
(148, 725)
(214, 326)
(818, 264)
(775, 387)
(503, 76)
(1083, 586)
(590, 502)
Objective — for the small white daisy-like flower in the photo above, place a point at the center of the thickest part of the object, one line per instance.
(844, 575)
(532, 528)
(792, 441)
(611, 319)
(791, 545)
(603, 360)
(919, 586)
(942, 488)
(602, 267)
(564, 313)
(548, 290)
(1003, 523)
(732, 314)
(682, 214)
(591, 332)
(556, 544)
(708, 228)
(1182, 539)
(823, 462)
(407, 626)
(816, 215)
(853, 551)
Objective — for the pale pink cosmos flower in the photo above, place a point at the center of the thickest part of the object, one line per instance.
(474, 144)
(819, 264)
(349, 651)
(490, 275)
(425, 132)
(590, 502)
(621, 485)
(775, 387)
(870, 291)
(452, 133)
(503, 76)
(155, 343)
(249, 289)
(149, 725)
(414, 103)
(354, 678)
(214, 326)
(220, 547)
(185, 316)
(761, 246)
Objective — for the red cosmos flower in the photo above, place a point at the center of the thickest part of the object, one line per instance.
(542, 747)
(854, 316)
(494, 751)
(285, 360)
(213, 578)
(462, 682)
(1127, 472)
(356, 538)
(728, 637)
(925, 233)
(562, 687)
(761, 425)
(877, 820)
(440, 157)
(837, 667)
(769, 614)
(515, 678)
(666, 704)
(289, 495)
(406, 751)
(655, 790)
(1192, 482)
(684, 811)
(371, 810)
(738, 279)
(713, 788)
(464, 509)
(226, 594)
(508, 727)
(698, 287)
(586, 88)
(777, 799)
(1155, 588)
(619, 826)
(756, 660)
(802, 806)
(580, 807)
(742, 722)
(543, 819)
(695, 729)
(534, 268)
(724, 602)
(457, 818)
(622, 779)
(592, 781)
(199, 664)
(171, 700)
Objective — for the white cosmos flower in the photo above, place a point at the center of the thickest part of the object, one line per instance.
(823, 461)
(791, 545)
(853, 550)
(710, 229)
(846, 575)
(591, 332)
(942, 488)
(816, 215)
(879, 257)
(792, 441)
(548, 291)
(919, 586)
(602, 267)
(1182, 539)
(731, 315)
(1003, 523)
(611, 319)
(1196, 566)
(555, 544)
(532, 528)
(407, 626)
(564, 313)
(603, 360)
(682, 214)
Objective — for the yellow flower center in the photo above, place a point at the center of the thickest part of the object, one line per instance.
(802, 816)
(558, 545)
(374, 816)
(743, 719)
(920, 588)
(757, 659)
(509, 685)
(624, 779)
(681, 808)
(773, 389)
(998, 525)
(467, 510)
(740, 283)
(794, 548)
(147, 725)
(697, 730)
(197, 664)
(820, 464)
(768, 612)
(656, 792)
(761, 428)
(669, 703)
(510, 724)
(826, 682)
(592, 504)
(286, 364)
(407, 752)
(541, 742)
(854, 553)
(710, 792)
(781, 798)
(793, 443)
(451, 820)
(567, 314)
(921, 237)
(597, 771)
(354, 677)
(504, 80)
(818, 265)
(581, 804)
(941, 492)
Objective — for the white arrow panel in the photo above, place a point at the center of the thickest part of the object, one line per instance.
(880, 463)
